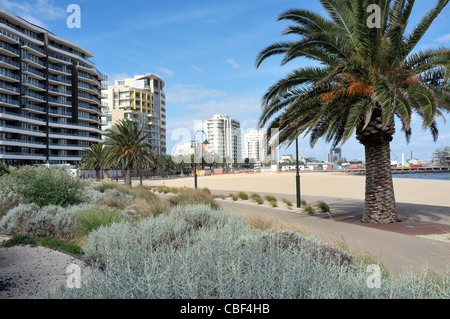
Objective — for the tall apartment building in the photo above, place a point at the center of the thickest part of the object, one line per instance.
(50, 107)
(255, 148)
(224, 137)
(142, 100)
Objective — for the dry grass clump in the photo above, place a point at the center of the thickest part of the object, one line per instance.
(308, 209)
(190, 196)
(323, 207)
(243, 195)
(234, 197)
(287, 202)
(154, 207)
(259, 222)
(257, 198)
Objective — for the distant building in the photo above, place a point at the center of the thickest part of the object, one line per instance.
(287, 158)
(442, 156)
(335, 155)
(255, 144)
(224, 137)
(142, 100)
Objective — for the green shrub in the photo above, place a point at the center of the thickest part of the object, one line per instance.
(43, 186)
(206, 190)
(308, 209)
(303, 202)
(243, 195)
(273, 203)
(174, 190)
(257, 198)
(271, 198)
(323, 207)
(20, 240)
(54, 221)
(234, 197)
(3, 169)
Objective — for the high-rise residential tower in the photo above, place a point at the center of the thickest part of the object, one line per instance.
(224, 137)
(50, 107)
(142, 100)
(255, 146)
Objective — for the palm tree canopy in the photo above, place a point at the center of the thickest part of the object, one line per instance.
(126, 144)
(94, 157)
(362, 72)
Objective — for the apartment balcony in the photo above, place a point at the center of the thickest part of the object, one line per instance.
(89, 78)
(34, 85)
(30, 107)
(9, 102)
(59, 69)
(35, 63)
(32, 96)
(8, 50)
(21, 143)
(89, 98)
(33, 73)
(91, 70)
(58, 102)
(58, 146)
(57, 58)
(21, 117)
(89, 108)
(58, 81)
(21, 130)
(34, 49)
(9, 76)
(59, 113)
(90, 88)
(9, 63)
(21, 156)
(60, 91)
(9, 89)
(8, 37)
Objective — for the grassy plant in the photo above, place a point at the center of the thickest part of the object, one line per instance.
(308, 209)
(257, 198)
(243, 195)
(271, 198)
(287, 202)
(190, 196)
(273, 203)
(153, 207)
(50, 242)
(206, 190)
(160, 189)
(260, 223)
(92, 219)
(303, 203)
(174, 190)
(20, 240)
(323, 207)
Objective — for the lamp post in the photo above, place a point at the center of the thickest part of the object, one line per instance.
(297, 177)
(195, 156)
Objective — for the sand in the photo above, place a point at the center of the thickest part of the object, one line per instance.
(413, 191)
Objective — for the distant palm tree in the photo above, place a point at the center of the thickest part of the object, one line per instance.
(95, 158)
(126, 146)
(366, 77)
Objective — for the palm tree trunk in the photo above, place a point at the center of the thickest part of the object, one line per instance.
(380, 199)
(97, 174)
(128, 176)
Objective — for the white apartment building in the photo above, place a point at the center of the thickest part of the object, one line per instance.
(256, 148)
(140, 99)
(50, 90)
(224, 137)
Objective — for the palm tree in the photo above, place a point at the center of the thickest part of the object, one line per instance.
(126, 146)
(366, 78)
(94, 159)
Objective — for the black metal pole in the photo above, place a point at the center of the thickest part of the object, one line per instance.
(298, 176)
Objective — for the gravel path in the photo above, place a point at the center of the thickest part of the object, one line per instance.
(33, 272)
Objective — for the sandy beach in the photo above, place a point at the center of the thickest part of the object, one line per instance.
(412, 191)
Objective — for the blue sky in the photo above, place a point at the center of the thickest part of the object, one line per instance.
(205, 52)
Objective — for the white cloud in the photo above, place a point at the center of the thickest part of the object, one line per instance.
(445, 38)
(35, 11)
(168, 73)
(233, 63)
(184, 93)
(198, 69)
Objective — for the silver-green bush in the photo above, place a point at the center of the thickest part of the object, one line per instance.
(196, 252)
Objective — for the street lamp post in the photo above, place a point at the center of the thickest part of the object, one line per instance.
(195, 156)
(297, 177)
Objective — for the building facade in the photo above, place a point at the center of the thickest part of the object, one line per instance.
(255, 148)
(50, 96)
(142, 100)
(224, 137)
